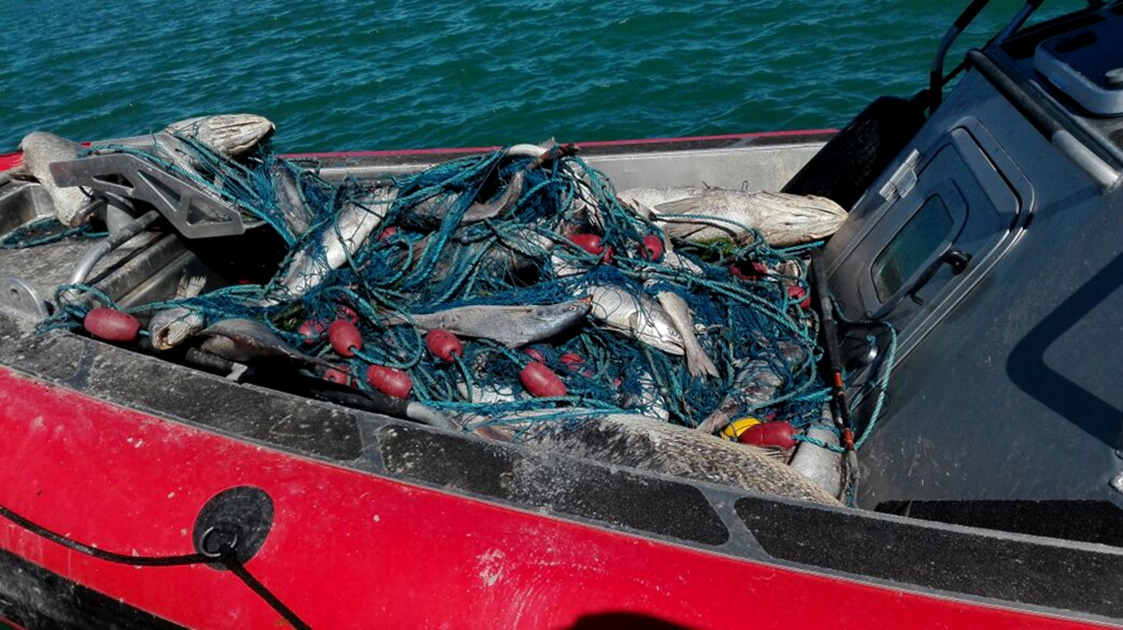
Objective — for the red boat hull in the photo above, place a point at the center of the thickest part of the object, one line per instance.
(356, 550)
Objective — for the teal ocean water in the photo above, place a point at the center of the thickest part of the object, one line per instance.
(341, 75)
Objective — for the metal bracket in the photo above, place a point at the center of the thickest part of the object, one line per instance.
(193, 212)
(20, 296)
(903, 179)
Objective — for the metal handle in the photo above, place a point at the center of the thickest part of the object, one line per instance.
(956, 258)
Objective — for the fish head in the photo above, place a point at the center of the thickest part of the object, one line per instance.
(169, 333)
(227, 134)
(562, 314)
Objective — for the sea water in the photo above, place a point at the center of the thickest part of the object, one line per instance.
(344, 75)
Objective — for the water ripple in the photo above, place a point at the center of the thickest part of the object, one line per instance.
(339, 75)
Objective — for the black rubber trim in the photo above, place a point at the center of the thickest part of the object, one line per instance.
(618, 497)
(34, 597)
(933, 557)
(1099, 522)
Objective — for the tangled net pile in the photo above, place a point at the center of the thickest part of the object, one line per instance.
(747, 300)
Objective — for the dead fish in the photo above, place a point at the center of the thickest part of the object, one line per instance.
(492, 257)
(718, 214)
(487, 394)
(642, 201)
(648, 399)
(644, 443)
(512, 326)
(698, 362)
(290, 199)
(754, 386)
(338, 241)
(229, 135)
(40, 150)
(431, 211)
(636, 316)
(172, 326)
(244, 340)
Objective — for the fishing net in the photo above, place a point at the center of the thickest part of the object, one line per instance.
(502, 229)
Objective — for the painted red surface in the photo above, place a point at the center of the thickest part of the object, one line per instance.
(11, 160)
(353, 550)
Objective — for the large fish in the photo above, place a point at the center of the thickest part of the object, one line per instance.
(512, 326)
(338, 241)
(229, 135)
(40, 150)
(636, 316)
(647, 444)
(643, 200)
(702, 215)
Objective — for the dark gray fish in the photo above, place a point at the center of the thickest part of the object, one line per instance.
(489, 258)
(754, 386)
(40, 150)
(290, 199)
(647, 444)
(512, 326)
(244, 340)
(429, 212)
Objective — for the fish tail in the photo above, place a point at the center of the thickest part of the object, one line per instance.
(698, 362)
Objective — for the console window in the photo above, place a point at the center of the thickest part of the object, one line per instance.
(911, 247)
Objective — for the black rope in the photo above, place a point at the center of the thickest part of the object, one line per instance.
(226, 555)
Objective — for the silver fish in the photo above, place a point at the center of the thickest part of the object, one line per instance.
(430, 211)
(716, 214)
(172, 326)
(512, 326)
(647, 444)
(40, 150)
(230, 135)
(636, 316)
(336, 244)
(698, 362)
(244, 340)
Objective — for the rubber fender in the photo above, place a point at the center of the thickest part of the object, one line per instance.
(850, 162)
